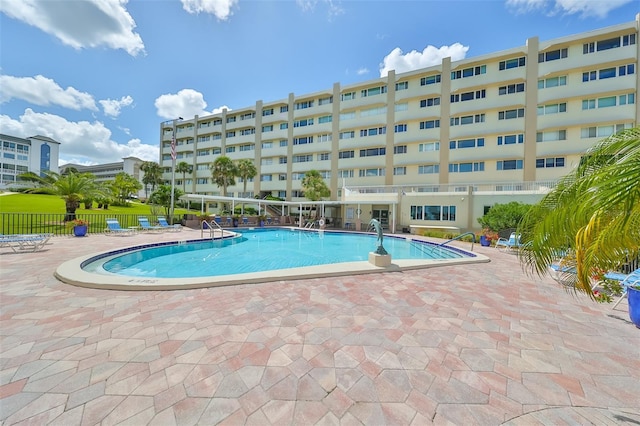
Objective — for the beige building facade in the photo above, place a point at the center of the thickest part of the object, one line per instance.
(433, 147)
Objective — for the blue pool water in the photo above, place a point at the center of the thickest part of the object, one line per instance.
(263, 250)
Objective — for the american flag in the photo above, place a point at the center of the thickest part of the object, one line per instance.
(173, 147)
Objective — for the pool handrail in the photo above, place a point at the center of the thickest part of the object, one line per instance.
(210, 226)
(473, 239)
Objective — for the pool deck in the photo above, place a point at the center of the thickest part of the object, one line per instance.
(481, 344)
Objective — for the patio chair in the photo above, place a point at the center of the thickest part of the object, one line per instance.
(245, 221)
(626, 281)
(146, 226)
(24, 242)
(511, 244)
(113, 228)
(229, 221)
(165, 225)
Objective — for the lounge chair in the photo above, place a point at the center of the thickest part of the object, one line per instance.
(510, 245)
(245, 221)
(24, 242)
(165, 225)
(146, 226)
(626, 281)
(113, 228)
(229, 221)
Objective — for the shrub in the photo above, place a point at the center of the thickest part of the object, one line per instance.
(504, 216)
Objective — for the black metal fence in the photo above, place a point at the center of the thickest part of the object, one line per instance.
(53, 223)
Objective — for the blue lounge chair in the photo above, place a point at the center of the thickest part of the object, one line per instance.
(229, 221)
(146, 226)
(165, 225)
(113, 228)
(24, 242)
(626, 281)
(512, 244)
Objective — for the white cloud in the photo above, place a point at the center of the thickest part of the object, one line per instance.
(334, 7)
(186, 103)
(431, 55)
(112, 107)
(362, 71)
(221, 9)
(80, 24)
(44, 91)
(89, 143)
(586, 8)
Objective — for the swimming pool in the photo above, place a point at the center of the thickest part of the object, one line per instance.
(256, 255)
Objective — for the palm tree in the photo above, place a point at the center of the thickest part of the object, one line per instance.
(314, 186)
(223, 173)
(71, 187)
(245, 171)
(184, 168)
(593, 213)
(152, 176)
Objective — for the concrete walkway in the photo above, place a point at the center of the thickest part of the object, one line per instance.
(480, 344)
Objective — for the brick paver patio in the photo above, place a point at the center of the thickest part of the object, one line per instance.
(478, 344)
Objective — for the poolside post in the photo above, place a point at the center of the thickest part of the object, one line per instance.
(173, 169)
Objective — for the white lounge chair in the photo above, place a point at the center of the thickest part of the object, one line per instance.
(113, 228)
(511, 244)
(165, 225)
(24, 242)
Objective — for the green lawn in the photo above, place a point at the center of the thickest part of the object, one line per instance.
(38, 213)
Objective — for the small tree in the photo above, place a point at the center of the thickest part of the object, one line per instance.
(314, 187)
(123, 186)
(162, 197)
(245, 171)
(504, 216)
(152, 176)
(184, 168)
(223, 173)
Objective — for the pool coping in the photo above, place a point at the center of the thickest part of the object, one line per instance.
(71, 272)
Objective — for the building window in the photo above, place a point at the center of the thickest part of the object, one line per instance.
(345, 173)
(511, 88)
(429, 102)
(403, 85)
(400, 149)
(347, 116)
(325, 119)
(373, 91)
(554, 135)
(512, 63)
(552, 82)
(266, 178)
(304, 105)
(230, 149)
(468, 96)
(324, 138)
(282, 160)
(509, 165)
(466, 143)
(432, 79)
(325, 101)
(602, 131)
(371, 172)
(511, 139)
(231, 134)
(542, 163)
(429, 146)
(348, 96)
(267, 111)
(303, 140)
(323, 156)
(302, 158)
(468, 72)
(347, 135)
(373, 111)
(282, 176)
(303, 122)
(231, 119)
(399, 171)
(552, 55)
(466, 119)
(248, 116)
(284, 126)
(399, 128)
(466, 167)
(372, 152)
(511, 113)
(267, 128)
(346, 154)
(373, 132)
(246, 132)
(552, 108)
(266, 161)
(428, 169)
(202, 181)
(284, 108)
(430, 124)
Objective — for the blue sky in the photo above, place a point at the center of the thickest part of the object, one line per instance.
(100, 76)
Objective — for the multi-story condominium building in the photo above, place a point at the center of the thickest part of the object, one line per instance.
(434, 147)
(108, 171)
(35, 154)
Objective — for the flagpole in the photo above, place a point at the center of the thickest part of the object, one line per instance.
(173, 171)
